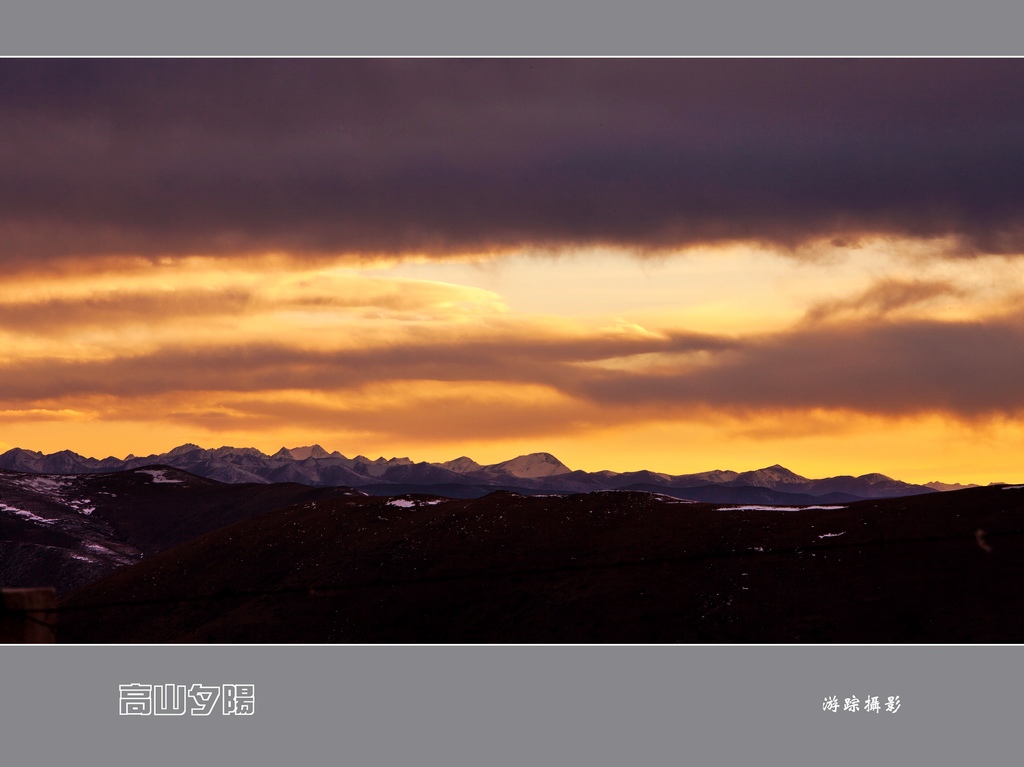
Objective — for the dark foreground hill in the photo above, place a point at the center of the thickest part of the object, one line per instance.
(67, 530)
(594, 568)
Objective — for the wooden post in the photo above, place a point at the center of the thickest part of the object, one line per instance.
(24, 615)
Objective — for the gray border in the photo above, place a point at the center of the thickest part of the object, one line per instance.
(534, 28)
(544, 705)
(458, 706)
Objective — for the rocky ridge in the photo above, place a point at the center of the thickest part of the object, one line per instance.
(465, 478)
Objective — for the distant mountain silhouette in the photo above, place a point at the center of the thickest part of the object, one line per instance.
(535, 473)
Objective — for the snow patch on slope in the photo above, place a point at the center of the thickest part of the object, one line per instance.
(44, 484)
(28, 515)
(778, 508)
(670, 498)
(402, 503)
(159, 476)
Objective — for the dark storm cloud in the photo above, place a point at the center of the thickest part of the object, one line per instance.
(347, 156)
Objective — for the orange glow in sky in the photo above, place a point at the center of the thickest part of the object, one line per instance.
(493, 357)
(666, 264)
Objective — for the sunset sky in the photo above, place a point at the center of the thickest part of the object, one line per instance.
(670, 264)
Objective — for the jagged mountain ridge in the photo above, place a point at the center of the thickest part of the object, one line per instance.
(535, 472)
(947, 486)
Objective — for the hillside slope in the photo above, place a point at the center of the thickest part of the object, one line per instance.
(602, 567)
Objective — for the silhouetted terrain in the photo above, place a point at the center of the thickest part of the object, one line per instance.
(67, 530)
(599, 567)
(464, 478)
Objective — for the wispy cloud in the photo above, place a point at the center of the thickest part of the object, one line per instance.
(885, 297)
(963, 369)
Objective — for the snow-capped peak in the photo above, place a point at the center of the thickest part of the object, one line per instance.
(188, 447)
(770, 476)
(302, 453)
(463, 465)
(533, 465)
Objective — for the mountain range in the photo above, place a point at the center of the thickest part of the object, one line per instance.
(532, 474)
(158, 554)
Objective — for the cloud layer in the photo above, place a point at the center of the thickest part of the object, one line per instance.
(150, 157)
(964, 370)
(291, 247)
